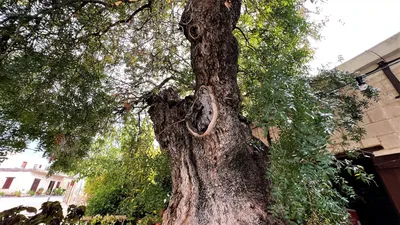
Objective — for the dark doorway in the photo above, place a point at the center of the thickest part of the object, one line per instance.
(372, 204)
(35, 184)
(8, 183)
(388, 167)
(50, 188)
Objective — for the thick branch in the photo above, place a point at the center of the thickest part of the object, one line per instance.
(147, 97)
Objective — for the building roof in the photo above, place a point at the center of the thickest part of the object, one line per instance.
(386, 49)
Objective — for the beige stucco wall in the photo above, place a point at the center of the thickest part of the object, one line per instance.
(382, 118)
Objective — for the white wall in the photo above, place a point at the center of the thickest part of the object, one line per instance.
(24, 180)
(15, 160)
(24, 177)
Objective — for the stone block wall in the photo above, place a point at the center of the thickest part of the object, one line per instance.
(382, 119)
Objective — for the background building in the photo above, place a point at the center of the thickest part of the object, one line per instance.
(379, 203)
(28, 171)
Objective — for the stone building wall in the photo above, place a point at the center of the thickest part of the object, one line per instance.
(382, 119)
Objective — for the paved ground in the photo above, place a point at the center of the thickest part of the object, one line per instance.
(10, 202)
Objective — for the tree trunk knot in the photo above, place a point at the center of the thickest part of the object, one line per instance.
(194, 33)
(214, 108)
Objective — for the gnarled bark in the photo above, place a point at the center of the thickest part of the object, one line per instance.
(218, 175)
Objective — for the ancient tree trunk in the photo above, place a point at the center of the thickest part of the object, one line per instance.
(218, 174)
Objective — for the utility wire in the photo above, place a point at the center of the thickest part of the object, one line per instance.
(390, 63)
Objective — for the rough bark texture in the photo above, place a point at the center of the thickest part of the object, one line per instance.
(218, 176)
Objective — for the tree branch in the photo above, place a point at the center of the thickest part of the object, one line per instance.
(129, 19)
(146, 97)
(247, 40)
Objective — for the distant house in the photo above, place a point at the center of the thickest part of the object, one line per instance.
(27, 172)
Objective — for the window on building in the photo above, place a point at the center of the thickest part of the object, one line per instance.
(58, 184)
(40, 166)
(24, 164)
(8, 182)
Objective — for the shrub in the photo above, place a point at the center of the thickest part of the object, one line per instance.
(51, 213)
(150, 219)
(18, 193)
(126, 182)
(58, 191)
(31, 193)
(48, 192)
(40, 191)
(2, 194)
(106, 220)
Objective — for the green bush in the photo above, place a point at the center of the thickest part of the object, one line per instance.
(106, 220)
(150, 219)
(106, 201)
(31, 193)
(132, 180)
(18, 193)
(39, 191)
(58, 191)
(2, 194)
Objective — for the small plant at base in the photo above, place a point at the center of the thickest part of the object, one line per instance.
(109, 220)
(39, 191)
(150, 219)
(2, 194)
(31, 193)
(18, 193)
(96, 220)
(58, 191)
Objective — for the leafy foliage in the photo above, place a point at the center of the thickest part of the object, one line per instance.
(58, 191)
(300, 113)
(39, 191)
(67, 67)
(127, 175)
(338, 91)
(51, 213)
(107, 220)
